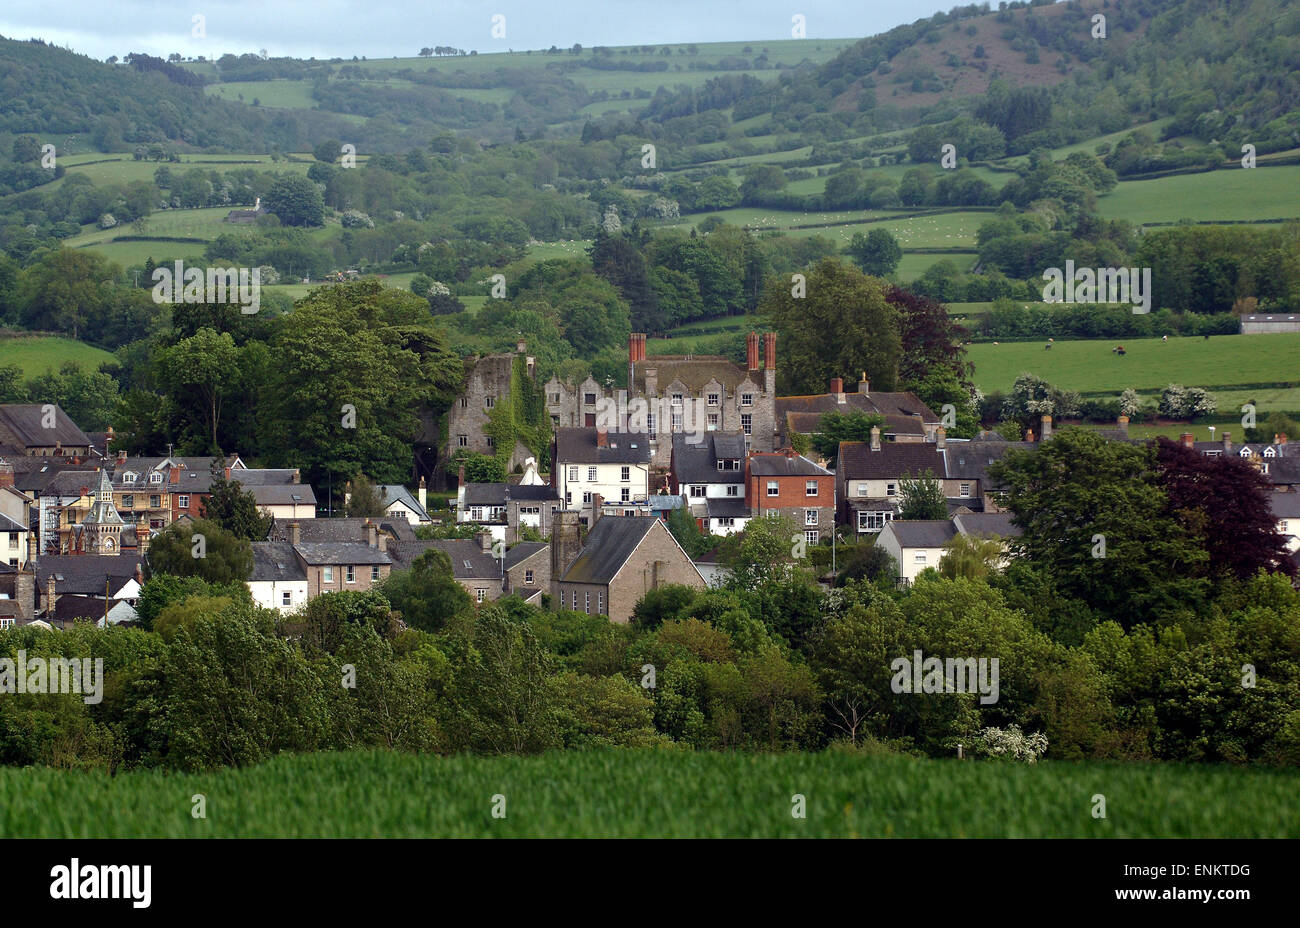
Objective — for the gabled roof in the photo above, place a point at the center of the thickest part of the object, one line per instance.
(698, 462)
(895, 459)
(351, 528)
(578, 446)
(695, 372)
(498, 494)
(784, 465)
(970, 460)
(275, 561)
(84, 573)
(609, 544)
(468, 560)
(523, 551)
(283, 494)
(987, 523)
(893, 406)
(727, 508)
(326, 553)
(390, 493)
(24, 421)
(102, 511)
(1284, 505)
(922, 533)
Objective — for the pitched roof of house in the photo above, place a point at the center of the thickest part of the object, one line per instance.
(283, 494)
(1285, 505)
(698, 462)
(67, 609)
(578, 446)
(969, 460)
(84, 573)
(326, 553)
(498, 494)
(894, 459)
(784, 465)
(987, 523)
(351, 528)
(893, 406)
(275, 560)
(249, 477)
(725, 508)
(390, 493)
(607, 547)
(695, 372)
(468, 559)
(523, 551)
(922, 533)
(25, 421)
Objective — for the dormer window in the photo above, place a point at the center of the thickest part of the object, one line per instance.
(128, 477)
(1244, 452)
(1270, 453)
(155, 477)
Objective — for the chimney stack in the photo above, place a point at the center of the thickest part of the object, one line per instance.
(371, 534)
(139, 573)
(751, 351)
(602, 438)
(864, 385)
(1187, 440)
(485, 540)
(226, 472)
(597, 503)
(460, 476)
(875, 438)
(837, 387)
(6, 474)
(293, 533)
(941, 438)
(566, 543)
(121, 455)
(296, 478)
(142, 537)
(423, 493)
(1046, 428)
(521, 346)
(1122, 423)
(769, 351)
(51, 598)
(1227, 442)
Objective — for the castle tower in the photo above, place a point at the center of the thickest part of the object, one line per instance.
(103, 525)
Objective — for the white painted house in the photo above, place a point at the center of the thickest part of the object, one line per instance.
(915, 544)
(589, 462)
(278, 580)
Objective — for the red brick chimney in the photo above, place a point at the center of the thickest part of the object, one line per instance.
(837, 387)
(602, 438)
(6, 474)
(226, 471)
(769, 351)
(175, 475)
(751, 351)
(941, 438)
(1187, 439)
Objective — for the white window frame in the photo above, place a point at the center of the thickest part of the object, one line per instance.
(811, 488)
(773, 488)
(810, 517)
(811, 536)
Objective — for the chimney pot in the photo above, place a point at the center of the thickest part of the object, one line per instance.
(864, 385)
(751, 351)
(769, 351)
(837, 387)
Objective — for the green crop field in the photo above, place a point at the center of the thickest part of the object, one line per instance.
(1150, 364)
(36, 355)
(282, 94)
(653, 794)
(1241, 194)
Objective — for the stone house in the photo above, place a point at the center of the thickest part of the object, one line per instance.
(487, 380)
(528, 570)
(677, 394)
(907, 419)
(620, 559)
(41, 429)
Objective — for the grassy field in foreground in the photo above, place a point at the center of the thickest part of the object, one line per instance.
(654, 794)
(37, 355)
(1149, 363)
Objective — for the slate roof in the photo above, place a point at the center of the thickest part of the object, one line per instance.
(67, 609)
(922, 533)
(249, 477)
(662, 502)
(341, 529)
(65, 483)
(901, 406)
(987, 523)
(275, 560)
(9, 525)
(698, 463)
(782, 465)
(695, 373)
(286, 494)
(523, 551)
(391, 493)
(340, 552)
(102, 510)
(497, 494)
(727, 508)
(1285, 505)
(84, 573)
(24, 421)
(969, 460)
(578, 446)
(609, 544)
(468, 560)
(894, 459)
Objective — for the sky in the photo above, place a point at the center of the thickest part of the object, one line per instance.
(377, 29)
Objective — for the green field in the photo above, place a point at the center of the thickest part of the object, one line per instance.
(653, 794)
(1240, 194)
(36, 355)
(123, 169)
(1149, 363)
